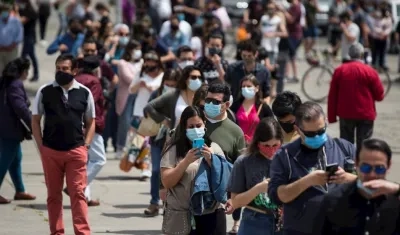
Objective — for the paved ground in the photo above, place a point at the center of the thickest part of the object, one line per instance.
(123, 197)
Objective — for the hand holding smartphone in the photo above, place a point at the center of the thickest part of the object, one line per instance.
(198, 144)
(331, 169)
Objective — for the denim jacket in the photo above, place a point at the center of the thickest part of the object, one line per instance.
(210, 184)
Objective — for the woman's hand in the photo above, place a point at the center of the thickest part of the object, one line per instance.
(191, 156)
(207, 152)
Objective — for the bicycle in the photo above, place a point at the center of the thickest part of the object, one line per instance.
(326, 67)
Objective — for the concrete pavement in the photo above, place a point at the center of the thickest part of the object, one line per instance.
(123, 197)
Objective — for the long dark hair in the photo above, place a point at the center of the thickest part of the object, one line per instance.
(132, 45)
(267, 129)
(185, 76)
(13, 70)
(179, 139)
(169, 75)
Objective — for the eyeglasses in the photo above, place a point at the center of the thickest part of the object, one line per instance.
(314, 133)
(194, 77)
(123, 34)
(213, 101)
(366, 168)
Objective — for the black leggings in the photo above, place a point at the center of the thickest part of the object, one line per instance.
(44, 14)
(210, 224)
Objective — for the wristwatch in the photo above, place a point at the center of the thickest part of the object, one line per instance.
(87, 146)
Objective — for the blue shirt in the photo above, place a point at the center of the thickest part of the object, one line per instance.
(11, 31)
(72, 43)
(175, 41)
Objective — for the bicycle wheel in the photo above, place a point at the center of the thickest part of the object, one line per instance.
(319, 78)
(386, 81)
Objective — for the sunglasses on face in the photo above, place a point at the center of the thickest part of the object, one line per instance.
(213, 101)
(123, 34)
(314, 133)
(193, 77)
(366, 168)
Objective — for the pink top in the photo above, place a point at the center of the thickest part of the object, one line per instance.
(127, 72)
(248, 122)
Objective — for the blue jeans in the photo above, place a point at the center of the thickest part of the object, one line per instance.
(155, 174)
(256, 223)
(96, 161)
(10, 160)
(124, 121)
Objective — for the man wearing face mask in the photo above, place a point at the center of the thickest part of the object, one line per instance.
(183, 26)
(221, 130)
(69, 108)
(212, 64)
(369, 205)
(184, 57)
(237, 71)
(303, 171)
(12, 34)
(284, 108)
(70, 42)
(175, 38)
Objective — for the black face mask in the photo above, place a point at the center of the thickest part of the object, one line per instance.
(75, 30)
(150, 69)
(174, 27)
(287, 127)
(63, 78)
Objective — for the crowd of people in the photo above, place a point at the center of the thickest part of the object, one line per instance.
(214, 137)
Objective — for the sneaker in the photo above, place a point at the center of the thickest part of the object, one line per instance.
(92, 203)
(293, 80)
(24, 196)
(152, 210)
(119, 154)
(43, 43)
(34, 79)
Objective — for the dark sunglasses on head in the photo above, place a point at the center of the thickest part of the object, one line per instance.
(213, 101)
(366, 168)
(151, 57)
(194, 77)
(314, 133)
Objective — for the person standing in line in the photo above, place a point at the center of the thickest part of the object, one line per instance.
(354, 89)
(14, 107)
(11, 35)
(369, 205)
(87, 76)
(44, 14)
(69, 108)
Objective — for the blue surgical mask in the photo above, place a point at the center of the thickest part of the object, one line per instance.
(5, 15)
(194, 84)
(168, 89)
(363, 188)
(248, 92)
(195, 133)
(212, 110)
(123, 41)
(316, 141)
(181, 16)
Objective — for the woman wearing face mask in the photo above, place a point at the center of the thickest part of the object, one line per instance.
(250, 108)
(179, 166)
(149, 80)
(117, 45)
(168, 85)
(249, 180)
(14, 108)
(129, 68)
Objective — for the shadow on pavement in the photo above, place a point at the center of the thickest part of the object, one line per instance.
(117, 177)
(123, 215)
(135, 232)
(131, 206)
(42, 207)
(34, 173)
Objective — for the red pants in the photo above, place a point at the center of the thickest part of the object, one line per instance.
(71, 163)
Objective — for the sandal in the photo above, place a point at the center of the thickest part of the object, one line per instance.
(234, 230)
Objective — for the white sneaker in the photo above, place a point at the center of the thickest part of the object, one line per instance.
(119, 154)
(146, 173)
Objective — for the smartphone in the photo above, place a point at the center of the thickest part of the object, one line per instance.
(332, 168)
(198, 143)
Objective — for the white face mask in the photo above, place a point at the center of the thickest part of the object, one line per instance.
(168, 89)
(137, 54)
(185, 63)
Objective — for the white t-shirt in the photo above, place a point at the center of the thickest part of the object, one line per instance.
(184, 27)
(196, 45)
(354, 31)
(179, 107)
(164, 8)
(270, 25)
(143, 94)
